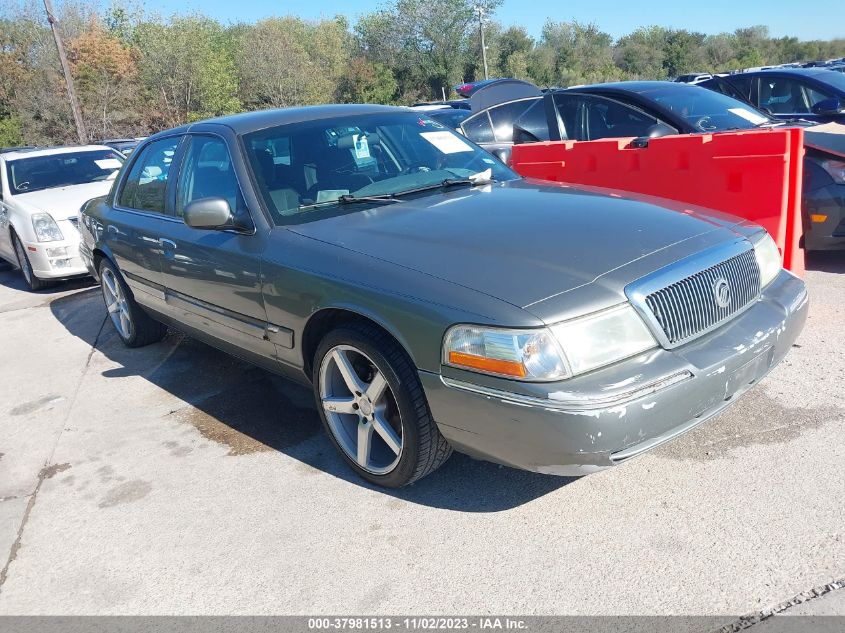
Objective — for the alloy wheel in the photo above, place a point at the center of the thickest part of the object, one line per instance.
(23, 262)
(361, 409)
(116, 303)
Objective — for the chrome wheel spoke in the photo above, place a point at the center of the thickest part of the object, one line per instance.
(365, 439)
(347, 371)
(125, 324)
(376, 388)
(110, 285)
(387, 433)
(339, 405)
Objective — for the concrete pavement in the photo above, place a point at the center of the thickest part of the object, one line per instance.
(177, 480)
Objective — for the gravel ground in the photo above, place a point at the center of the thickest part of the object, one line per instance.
(177, 480)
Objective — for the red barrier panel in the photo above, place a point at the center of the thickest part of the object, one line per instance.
(754, 174)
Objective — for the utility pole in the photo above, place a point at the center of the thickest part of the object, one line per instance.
(479, 9)
(71, 94)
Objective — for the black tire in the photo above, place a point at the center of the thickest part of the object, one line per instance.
(35, 283)
(144, 330)
(424, 449)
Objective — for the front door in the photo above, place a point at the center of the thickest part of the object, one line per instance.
(140, 216)
(213, 277)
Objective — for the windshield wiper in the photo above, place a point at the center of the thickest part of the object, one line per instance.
(481, 178)
(350, 198)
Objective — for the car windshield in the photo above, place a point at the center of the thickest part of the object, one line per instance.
(706, 110)
(329, 162)
(62, 169)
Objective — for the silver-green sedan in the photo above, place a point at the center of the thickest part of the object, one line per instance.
(435, 299)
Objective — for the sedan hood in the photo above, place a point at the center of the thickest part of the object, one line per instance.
(519, 241)
(63, 202)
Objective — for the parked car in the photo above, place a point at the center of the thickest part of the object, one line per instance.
(658, 108)
(460, 104)
(123, 145)
(693, 78)
(447, 115)
(812, 94)
(435, 299)
(41, 191)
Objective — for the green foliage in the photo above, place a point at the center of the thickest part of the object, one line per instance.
(11, 134)
(135, 73)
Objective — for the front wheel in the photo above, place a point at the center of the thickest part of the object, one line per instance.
(134, 326)
(374, 409)
(32, 281)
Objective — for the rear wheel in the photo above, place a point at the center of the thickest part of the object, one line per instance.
(374, 409)
(32, 281)
(135, 327)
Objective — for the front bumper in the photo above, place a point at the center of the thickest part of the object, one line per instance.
(594, 421)
(56, 267)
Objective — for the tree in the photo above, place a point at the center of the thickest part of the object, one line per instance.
(187, 69)
(105, 74)
(367, 82)
(315, 56)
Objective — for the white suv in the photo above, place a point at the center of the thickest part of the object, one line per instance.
(41, 192)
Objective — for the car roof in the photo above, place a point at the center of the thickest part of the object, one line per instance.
(636, 86)
(29, 152)
(814, 71)
(258, 120)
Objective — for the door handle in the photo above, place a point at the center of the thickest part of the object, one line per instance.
(113, 229)
(166, 242)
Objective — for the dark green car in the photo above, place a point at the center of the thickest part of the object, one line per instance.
(433, 298)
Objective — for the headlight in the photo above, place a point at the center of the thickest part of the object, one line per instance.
(521, 354)
(46, 229)
(553, 353)
(768, 258)
(603, 338)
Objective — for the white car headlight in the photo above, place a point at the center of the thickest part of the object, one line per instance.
(46, 229)
(768, 258)
(520, 354)
(603, 338)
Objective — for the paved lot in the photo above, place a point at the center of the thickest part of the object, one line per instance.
(177, 480)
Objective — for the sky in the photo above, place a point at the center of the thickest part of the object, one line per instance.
(822, 19)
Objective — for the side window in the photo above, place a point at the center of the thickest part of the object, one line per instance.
(741, 84)
(609, 119)
(477, 128)
(569, 107)
(534, 120)
(813, 95)
(207, 172)
(781, 95)
(503, 117)
(146, 184)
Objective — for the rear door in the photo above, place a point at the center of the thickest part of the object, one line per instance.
(213, 277)
(140, 216)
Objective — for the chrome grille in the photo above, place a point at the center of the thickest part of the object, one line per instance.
(690, 307)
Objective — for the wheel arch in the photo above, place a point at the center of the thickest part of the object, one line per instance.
(329, 318)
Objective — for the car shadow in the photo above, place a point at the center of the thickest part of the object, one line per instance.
(12, 278)
(251, 410)
(826, 261)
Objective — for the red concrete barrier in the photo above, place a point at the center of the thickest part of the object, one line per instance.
(754, 174)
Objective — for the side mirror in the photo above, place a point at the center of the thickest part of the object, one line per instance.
(209, 213)
(521, 136)
(827, 106)
(659, 129)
